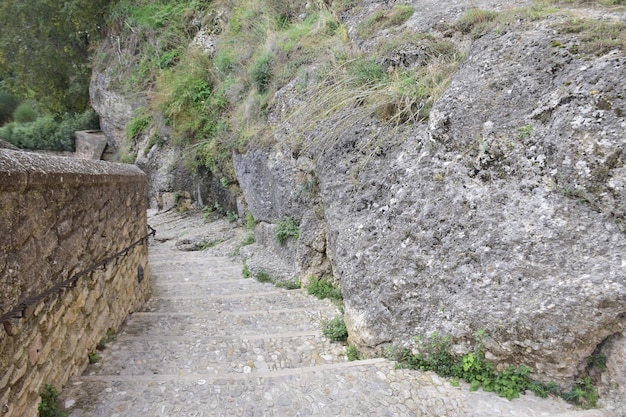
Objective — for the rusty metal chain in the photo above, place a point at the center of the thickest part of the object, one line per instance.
(20, 310)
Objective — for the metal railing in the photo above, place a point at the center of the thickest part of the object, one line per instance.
(20, 310)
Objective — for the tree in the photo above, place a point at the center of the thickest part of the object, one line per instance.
(45, 47)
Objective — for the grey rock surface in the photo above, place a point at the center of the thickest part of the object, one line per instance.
(505, 212)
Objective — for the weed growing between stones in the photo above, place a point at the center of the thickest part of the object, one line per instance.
(264, 277)
(324, 288)
(245, 272)
(433, 354)
(352, 353)
(48, 406)
(94, 357)
(290, 285)
(109, 337)
(286, 229)
(335, 329)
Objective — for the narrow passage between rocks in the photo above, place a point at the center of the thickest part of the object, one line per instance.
(212, 343)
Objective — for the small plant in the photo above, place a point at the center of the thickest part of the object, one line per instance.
(324, 288)
(261, 72)
(286, 229)
(335, 329)
(583, 394)
(597, 360)
(136, 126)
(109, 337)
(94, 357)
(48, 406)
(245, 271)
(290, 285)
(232, 216)
(248, 240)
(434, 355)
(250, 222)
(352, 353)
(264, 277)
(525, 131)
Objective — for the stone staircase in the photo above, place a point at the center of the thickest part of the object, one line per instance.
(212, 343)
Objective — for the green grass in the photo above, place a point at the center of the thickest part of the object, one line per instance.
(384, 19)
(596, 37)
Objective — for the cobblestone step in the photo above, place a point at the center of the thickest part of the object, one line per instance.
(224, 324)
(258, 353)
(224, 300)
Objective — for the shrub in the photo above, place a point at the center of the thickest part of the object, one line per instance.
(352, 353)
(136, 126)
(264, 277)
(25, 113)
(324, 288)
(48, 133)
(286, 229)
(8, 104)
(261, 72)
(335, 329)
(48, 406)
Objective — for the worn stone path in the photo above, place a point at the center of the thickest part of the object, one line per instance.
(211, 343)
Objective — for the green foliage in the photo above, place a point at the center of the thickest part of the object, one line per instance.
(249, 221)
(261, 72)
(366, 72)
(49, 133)
(94, 357)
(433, 354)
(25, 113)
(50, 62)
(262, 276)
(352, 353)
(8, 104)
(286, 229)
(383, 19)
(246, 271)
(583, 394)
(107, 338)
(597, 360)
(525, 131)
(48, 406)
(289, 285)
(324, 288)
(137, 125)
(335, 329)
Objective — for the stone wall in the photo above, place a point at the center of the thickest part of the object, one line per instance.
(58, 217)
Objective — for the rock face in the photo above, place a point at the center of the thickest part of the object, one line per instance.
(505, 212)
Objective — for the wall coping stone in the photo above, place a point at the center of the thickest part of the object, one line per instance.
(22, 170)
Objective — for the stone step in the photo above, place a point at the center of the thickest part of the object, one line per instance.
(225, 324)
(148, 355)
(360, 388)
(227, 299)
